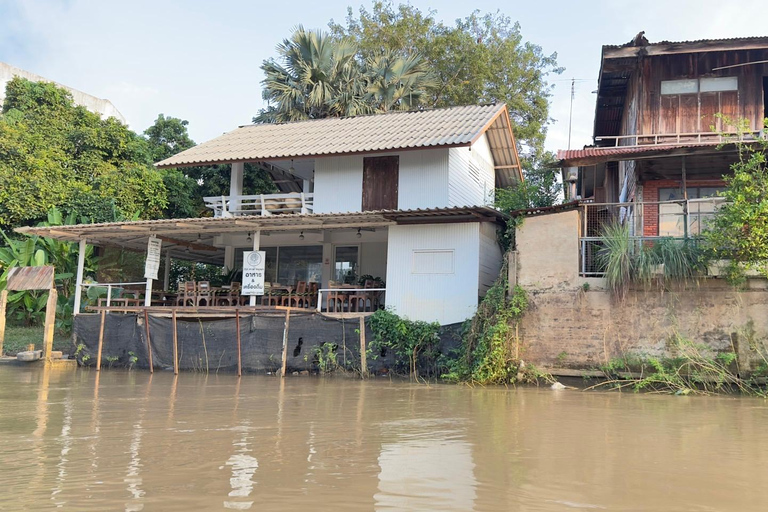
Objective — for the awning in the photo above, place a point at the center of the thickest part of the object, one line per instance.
(596, 155)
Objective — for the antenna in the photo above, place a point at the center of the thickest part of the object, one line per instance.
(570, 115)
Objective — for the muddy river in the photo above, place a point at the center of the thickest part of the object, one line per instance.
(132, 441)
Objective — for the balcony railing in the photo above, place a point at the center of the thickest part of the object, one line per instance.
(661, 139)
(261, 204)
(646, 222)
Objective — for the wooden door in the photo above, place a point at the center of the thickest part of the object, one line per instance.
(380, 176)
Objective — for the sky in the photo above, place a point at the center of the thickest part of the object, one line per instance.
(199, 60)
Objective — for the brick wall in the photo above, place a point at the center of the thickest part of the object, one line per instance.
(651, 194)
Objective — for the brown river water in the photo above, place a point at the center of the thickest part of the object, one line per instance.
(133, 441)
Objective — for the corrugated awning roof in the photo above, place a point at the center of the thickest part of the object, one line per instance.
(184, 233)
(443, 127)
(594, 155)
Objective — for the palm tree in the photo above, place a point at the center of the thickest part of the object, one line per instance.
(397, 82)
(319, 77)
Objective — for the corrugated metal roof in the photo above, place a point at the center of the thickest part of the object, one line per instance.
(443, 127)
(696, 41)
(593, 155)
(133, 235)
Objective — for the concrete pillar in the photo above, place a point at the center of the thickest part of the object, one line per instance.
(236, 184)
(327, 273)
(256, 245)
(229, 258)
(79, 275)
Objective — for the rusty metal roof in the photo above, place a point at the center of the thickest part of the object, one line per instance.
(441, 127)
(595, 155)
(184, 233)
(713, 43)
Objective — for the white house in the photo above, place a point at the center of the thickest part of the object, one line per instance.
(405, 196)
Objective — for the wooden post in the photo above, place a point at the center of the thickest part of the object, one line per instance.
(3, 303)
(285, 341)
(685, 197)
(79, 276)
(149, 345)
(239, 354)
(363, 355)
(50, 324)
(175, 344)
(101, 340)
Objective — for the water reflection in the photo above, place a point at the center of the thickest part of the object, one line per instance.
(120, 441)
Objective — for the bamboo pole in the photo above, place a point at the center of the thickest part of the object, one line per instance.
(239, 353)
(3, 303)
(50, 324)
(101, 340)
(285, 341)
(149, 345)
(363, 355)
(175, 344)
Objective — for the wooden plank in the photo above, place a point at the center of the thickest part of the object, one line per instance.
(285, 341)
(689, 113)
(149, 344)
(729, 106)
(101, 340)
(708, 107)
(30, 278)
(50, 324)
(380, 179)
(668, 114)
(3, 305)
(239, 351)
(363, 355)
(175, 344)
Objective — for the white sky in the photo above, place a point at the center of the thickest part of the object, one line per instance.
(199, 60)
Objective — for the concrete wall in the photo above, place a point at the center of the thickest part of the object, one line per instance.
(570, 325)
(100, 106)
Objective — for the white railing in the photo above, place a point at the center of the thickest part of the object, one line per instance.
(261, 204)
(352, 294)
(661, 139)
(118, 286)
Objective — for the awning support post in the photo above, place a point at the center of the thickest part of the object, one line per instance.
(256, 244)
(79, 278)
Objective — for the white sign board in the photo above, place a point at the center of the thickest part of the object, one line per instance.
(253, 272)
(152, 264)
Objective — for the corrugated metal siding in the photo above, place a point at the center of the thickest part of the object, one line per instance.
(445, 298)
(423, 181)
(490, 257)
(339, 184)
(471, 179)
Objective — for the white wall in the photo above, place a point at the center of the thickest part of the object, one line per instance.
(423, 180)
(471, 179)
(339, 184)
(491, 257)
(447, 297)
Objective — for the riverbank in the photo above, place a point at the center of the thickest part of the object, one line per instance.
(17, 339)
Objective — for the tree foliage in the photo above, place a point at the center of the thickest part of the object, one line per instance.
(480, 59)
(56, 154)
(739, 230)
(318, 75)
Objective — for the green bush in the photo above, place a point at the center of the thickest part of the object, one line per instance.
(414, 343)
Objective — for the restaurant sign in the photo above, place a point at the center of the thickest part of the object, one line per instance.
(253, 272)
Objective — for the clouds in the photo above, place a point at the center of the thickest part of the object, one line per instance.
(199, 60)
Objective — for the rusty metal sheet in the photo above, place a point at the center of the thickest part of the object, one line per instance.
(30, 278)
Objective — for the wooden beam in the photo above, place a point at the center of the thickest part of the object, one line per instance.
(239, 351)
(175, 344)
(191, 245)
(50, 324)
(101, 340)
(363, 355)
(149, 344)
(285, 341)
(129, 227)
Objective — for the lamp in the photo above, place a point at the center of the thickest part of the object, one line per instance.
(359, 234)
(301, 236)
(291, 169)
(249, 239)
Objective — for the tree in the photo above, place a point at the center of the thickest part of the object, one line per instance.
(56, 154)
(540, 187)
(739, 230)
(319, 75)
(168, 136)
(480, 59)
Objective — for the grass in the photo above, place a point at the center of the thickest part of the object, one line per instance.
(17, 339)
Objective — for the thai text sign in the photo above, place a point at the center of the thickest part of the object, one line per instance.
(152, 264)
(253, 272)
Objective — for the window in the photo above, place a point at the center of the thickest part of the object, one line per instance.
(690, 106)
(345, 265)
(671, 218)
(304, 263)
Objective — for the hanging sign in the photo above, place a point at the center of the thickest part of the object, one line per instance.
(152, 264)
(253, 272)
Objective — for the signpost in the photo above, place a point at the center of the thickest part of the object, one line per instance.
(253, 272)
(152, 264)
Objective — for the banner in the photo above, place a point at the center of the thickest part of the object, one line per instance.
(152, 264)
(253, 272)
